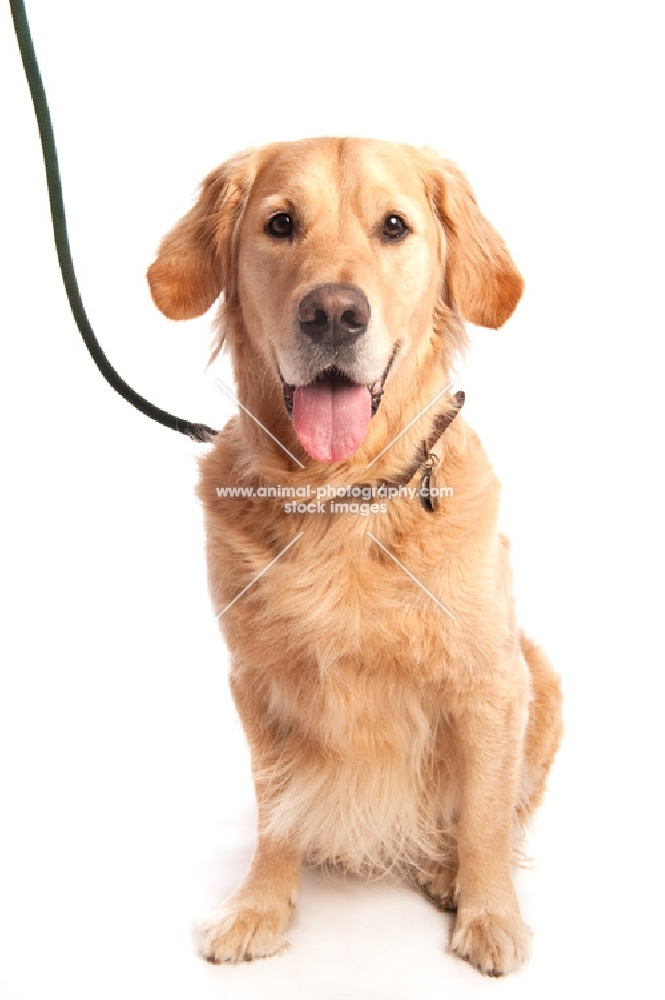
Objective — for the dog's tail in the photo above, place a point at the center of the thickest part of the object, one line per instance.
(544, 728)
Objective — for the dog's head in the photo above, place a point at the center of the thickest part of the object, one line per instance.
(344, 264)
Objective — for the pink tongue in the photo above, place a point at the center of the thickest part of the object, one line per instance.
(331, 418)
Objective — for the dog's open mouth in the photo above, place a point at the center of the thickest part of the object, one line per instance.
(332, 413)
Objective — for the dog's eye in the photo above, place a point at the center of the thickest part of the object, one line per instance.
(281, 226)
(394, 227)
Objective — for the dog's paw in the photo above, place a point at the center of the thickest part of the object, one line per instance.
(439, 883)
(240, 933)
(495, 943)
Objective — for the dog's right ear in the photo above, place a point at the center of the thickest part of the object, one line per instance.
(196, 260)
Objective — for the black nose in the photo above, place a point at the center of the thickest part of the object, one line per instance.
(333, 314)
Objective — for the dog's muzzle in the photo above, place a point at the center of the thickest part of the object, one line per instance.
(331, 414)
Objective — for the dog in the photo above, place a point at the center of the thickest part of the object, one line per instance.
(398, 720)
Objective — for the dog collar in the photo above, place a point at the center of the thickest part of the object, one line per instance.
(427, 461)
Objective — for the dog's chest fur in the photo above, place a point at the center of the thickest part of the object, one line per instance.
(361, 769)
(353, 668)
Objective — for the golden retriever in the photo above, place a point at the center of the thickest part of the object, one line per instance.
(398, 720)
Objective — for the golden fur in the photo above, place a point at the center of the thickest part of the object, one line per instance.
(385, 736)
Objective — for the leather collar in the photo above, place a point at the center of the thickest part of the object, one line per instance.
(425, 460)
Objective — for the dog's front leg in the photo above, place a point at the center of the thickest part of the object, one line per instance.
(251, 923)
(489, 931)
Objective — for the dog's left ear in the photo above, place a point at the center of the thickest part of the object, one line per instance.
(195, 260)
(480, 273)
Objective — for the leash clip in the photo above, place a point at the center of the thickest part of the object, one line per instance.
(431, 462)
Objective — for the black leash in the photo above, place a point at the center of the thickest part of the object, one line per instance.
(199, 432)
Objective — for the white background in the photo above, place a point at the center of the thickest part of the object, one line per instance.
(126, 805)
